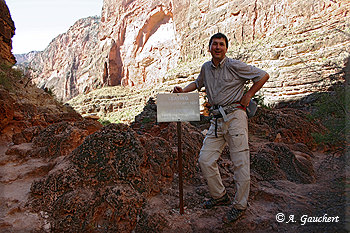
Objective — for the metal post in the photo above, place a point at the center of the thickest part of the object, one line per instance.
(179, 153)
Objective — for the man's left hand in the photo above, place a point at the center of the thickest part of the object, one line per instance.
(245, 100)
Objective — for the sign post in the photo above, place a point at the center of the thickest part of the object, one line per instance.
(178, 107)
(179, 159)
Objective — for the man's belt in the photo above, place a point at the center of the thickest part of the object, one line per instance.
(218, 111)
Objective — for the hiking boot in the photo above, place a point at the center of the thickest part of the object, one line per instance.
(233, 215)
(224, 200)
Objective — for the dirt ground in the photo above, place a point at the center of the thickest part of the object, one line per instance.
(325, 197)
(293, 204)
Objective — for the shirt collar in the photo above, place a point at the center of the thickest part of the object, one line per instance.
(220, 64)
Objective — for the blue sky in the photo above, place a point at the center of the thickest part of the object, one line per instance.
(37, 22)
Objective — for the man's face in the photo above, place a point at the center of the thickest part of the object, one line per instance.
(218, 48)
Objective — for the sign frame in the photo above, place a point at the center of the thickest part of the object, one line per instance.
(178, 107)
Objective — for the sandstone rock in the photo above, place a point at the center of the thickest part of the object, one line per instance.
(144, 35)
(285, 125)
(276, 162)
(124, 179)
(68, 61)
(6, 108)
(25, 109)
(302, 45)
(26, 135)
(22, 150)
(108, 178)
(7, 31)
(61, 138)
(23, 59)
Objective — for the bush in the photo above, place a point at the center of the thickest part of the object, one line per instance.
(104, 122)
(8, 76)
(332, 110)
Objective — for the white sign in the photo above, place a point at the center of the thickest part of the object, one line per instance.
(178, 107)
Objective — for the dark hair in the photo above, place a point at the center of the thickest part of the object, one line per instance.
(218, 35)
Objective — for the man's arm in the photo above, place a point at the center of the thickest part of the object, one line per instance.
(251, 92)
(190, 87)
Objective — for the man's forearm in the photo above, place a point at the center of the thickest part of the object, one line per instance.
(258, 85)
(190, 87)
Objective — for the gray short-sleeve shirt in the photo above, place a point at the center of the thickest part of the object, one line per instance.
(224, 84)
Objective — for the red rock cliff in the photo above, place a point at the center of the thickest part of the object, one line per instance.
(300, 43)
(7, 31)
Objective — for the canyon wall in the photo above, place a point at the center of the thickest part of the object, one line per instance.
(67, 65)
(302, 44)
(7, 31)
(143, 41)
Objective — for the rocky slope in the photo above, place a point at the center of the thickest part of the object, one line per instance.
(33, 123)
(124, 178)
(302, 44)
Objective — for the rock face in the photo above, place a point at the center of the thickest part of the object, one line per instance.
(143, 41)
(108, 178)
(66, 65)
(111, 180)
(303, 45)
(25, 109)
(7, 31)
(23, 59)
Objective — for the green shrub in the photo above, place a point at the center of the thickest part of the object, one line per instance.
(146, 120)
(5, 81)
(104, 122)
(332, 110)
(8, 76)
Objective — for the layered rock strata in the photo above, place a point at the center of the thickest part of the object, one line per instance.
(68, 65)
(303, 45)
(7, 31)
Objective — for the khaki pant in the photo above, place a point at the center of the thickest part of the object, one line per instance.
(234, 132)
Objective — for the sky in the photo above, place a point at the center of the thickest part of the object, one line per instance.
(37, 22)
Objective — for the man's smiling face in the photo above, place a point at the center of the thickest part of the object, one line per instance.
(218, 49)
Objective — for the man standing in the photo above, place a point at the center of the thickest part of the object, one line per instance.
(224, 79)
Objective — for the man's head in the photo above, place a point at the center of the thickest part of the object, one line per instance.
(218, 45)
(218, 36)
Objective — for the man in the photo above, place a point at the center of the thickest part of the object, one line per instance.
(224, 79)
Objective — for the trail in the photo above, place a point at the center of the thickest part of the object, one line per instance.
(324, 197)
(16, 177)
